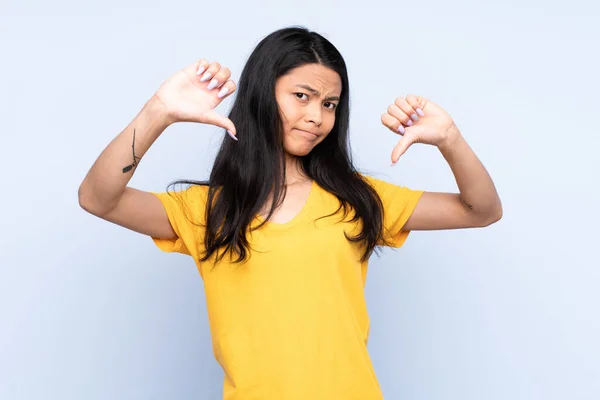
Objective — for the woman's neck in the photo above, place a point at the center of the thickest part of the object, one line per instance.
(293, 171)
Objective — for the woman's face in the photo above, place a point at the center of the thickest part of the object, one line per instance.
(307, 97)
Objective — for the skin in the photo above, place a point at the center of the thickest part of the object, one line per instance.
(192, 96)
(416, 119)
(307, 97)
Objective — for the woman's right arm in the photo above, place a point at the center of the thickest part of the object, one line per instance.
(184, 97)
(104, 192)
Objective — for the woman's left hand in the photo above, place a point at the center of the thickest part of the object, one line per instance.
(418, 120)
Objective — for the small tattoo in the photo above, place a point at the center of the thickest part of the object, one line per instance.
(469, 206)
(135, 159)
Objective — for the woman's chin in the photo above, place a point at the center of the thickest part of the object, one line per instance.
(299, 149)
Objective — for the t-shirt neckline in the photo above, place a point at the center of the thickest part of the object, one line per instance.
(299, 217)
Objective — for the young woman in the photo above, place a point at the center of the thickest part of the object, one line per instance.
(283, 229)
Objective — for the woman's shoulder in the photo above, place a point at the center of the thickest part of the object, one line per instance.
(375, 181)
(197, 191)
(386, 187)
(189, 199)
(188, 192)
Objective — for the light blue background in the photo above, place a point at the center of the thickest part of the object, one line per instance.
(89, 310)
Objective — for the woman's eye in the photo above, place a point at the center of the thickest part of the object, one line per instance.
(329, 105)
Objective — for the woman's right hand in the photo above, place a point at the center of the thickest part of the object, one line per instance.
(189, 96)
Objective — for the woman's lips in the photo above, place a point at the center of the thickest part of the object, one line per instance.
(314, 135)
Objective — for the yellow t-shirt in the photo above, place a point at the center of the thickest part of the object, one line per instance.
(291, 323)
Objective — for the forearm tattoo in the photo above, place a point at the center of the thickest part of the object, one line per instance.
(135, 159)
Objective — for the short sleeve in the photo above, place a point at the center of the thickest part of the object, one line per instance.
(185, 210)
(399, 202)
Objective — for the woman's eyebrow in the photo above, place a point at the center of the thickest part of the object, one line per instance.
(315, 91)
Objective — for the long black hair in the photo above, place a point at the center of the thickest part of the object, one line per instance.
(247, 171)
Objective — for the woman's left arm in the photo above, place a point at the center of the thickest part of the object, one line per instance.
(420, 120)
